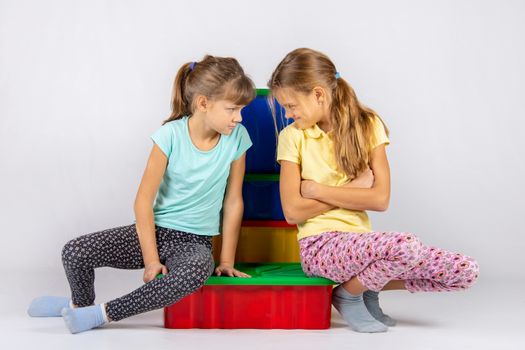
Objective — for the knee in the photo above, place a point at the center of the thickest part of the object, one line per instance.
(67, 250)
(72, 252)
(195, 270)
(471, 272)
(202, 268)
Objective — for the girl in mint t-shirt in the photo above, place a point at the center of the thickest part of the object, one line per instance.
(195, 170)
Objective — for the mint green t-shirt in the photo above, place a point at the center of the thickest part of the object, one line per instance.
(192, 190)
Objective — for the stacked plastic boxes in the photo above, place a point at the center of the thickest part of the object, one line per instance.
(278, 295)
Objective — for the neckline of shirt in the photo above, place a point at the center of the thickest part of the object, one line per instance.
(195, 148)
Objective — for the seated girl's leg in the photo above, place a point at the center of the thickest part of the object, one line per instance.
(439, 270)
(116, 247)
(374, 257)
(189, 263)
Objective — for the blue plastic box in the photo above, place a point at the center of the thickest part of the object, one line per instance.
(258, 120)
(261, 197)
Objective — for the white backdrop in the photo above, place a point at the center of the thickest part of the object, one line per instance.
(83, 84)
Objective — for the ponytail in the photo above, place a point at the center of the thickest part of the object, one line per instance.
(352, 130)
(179, 106)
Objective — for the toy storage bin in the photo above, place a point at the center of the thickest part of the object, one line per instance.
(261, 196)
(263, 241)
(277, 296)
(258, 120)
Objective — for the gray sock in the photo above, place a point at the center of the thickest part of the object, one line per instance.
(371, 300)
(353, 310)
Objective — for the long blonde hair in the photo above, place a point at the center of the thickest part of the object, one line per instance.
(302, 70)
(217, 78)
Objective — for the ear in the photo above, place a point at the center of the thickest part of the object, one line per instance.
(319, 94)
(201, 103)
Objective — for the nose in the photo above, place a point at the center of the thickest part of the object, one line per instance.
(238, 117)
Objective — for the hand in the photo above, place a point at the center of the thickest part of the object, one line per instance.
(228, 270)
(152, 270)
(364, 180)
(309, 189)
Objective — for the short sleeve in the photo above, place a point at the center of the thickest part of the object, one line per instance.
(244, 142)
(163, 138)
(379, 133)
(288, 146)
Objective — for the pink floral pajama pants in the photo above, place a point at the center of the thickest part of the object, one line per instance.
(376, 258)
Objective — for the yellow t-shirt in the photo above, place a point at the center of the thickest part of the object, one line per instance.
(313, 150)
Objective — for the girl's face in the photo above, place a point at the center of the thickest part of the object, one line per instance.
(305, 109)
(223, 116)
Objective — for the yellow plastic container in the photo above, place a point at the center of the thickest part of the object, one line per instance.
(263, 244)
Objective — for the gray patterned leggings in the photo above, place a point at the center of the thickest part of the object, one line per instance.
(187, 256)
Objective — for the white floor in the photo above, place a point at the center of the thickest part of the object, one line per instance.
(489, 316)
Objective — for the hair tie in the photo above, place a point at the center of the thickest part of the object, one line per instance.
(192, 65)
(337, 75)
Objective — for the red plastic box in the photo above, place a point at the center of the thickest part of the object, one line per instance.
(277, 296)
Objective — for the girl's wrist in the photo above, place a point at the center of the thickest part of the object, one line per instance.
(318, 191)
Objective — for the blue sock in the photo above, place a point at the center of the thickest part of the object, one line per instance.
(371, 300)
(353, 310)
(84, 318)
(47, 306)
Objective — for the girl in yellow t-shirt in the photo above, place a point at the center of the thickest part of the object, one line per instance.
(333, 168)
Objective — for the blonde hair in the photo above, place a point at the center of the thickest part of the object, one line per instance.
(217, 78)
(353, 134)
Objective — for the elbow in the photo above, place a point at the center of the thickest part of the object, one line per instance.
(234, 205)
(381, 207)
(290, 217)
(141, 203)
(382, 203)
(290, 220)
(137, 204)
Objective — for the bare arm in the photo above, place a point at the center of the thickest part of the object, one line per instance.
(375, 198)
(296, 208)
(143, 207)
(233, 209)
